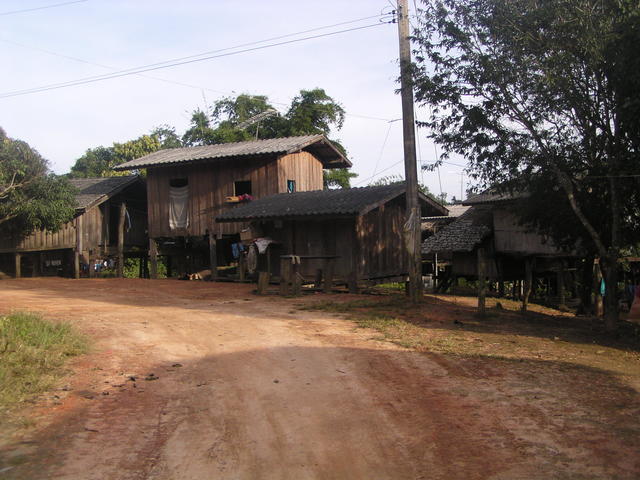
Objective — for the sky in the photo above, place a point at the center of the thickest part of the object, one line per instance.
(87, 38)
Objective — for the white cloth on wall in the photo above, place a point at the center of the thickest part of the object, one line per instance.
(178, 207)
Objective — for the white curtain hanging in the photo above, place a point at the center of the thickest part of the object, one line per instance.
(178, 207)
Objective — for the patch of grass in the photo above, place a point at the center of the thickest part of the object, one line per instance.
(32, 353)
(439, 326)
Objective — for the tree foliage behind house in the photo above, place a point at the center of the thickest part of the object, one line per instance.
(311, 112)
(31, 197)
(542, 95)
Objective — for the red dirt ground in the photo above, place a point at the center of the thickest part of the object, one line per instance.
(250, 387)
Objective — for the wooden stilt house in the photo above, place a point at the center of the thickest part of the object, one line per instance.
(356, 233)
(110, 223)
(188, 187)
(488, 242)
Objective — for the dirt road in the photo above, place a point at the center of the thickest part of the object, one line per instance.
(250, 387)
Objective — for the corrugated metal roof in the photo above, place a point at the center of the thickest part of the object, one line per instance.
(317, 144)
(463, 234)
(492, 196)
(454, 211)
(346, 201)
(92, 191)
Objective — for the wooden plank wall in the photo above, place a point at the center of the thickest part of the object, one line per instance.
(302, 167)
(41, 240)
(316, 237)
(210, 183)
(510, 237)
(381, 241)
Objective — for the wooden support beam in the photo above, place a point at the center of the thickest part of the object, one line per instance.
(78, 248)
(528, 283)
(18, 264)
(106, 221)
(482, 281)
(263, 283)
(153, 258)
(92, 272)
(121, 221)
(242, 267)
(285, 276)
(562, 300)
(328, 274)
(213, 256)
(353, 283)
(318, 280)
(296, 279)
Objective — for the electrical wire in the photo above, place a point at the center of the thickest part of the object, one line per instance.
(163, 65)
(384, 143)
(175, 82)
(25, 10)
(379, 173)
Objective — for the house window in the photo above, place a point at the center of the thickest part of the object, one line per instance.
(291, 186)
(178, 182)
(242, 187)
(178, 203)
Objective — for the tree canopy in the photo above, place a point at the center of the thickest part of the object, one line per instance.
(31, 196)
(542, 95)
(311, 112)
(99, 161)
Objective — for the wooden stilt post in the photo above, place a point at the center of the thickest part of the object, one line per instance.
(296, 279)
(213, 256)
(482, 282)
(153, 259)
(78, 250)
(562, 300)
(92, 272)
(263, 282)
(18, 266)
(242, 267)
(528, 283)
(121, 219)
(285, 276)
(106, 222)
(328, 275)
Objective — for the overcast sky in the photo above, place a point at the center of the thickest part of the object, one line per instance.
(358, 69)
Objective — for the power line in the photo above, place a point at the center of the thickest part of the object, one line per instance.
(384, 143)
(163, 65)
(25, 10)
(191, 85)
(379, 173)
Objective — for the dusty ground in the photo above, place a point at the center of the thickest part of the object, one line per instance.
(252, 387)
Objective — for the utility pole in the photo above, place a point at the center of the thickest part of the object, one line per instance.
(412, 224)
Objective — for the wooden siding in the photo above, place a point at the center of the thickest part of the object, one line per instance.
(302, 167)
(94, 228)
(510, 237)
(381, 242)
(465, 264)
(314, 237)
(41, 240)
(211, 182)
